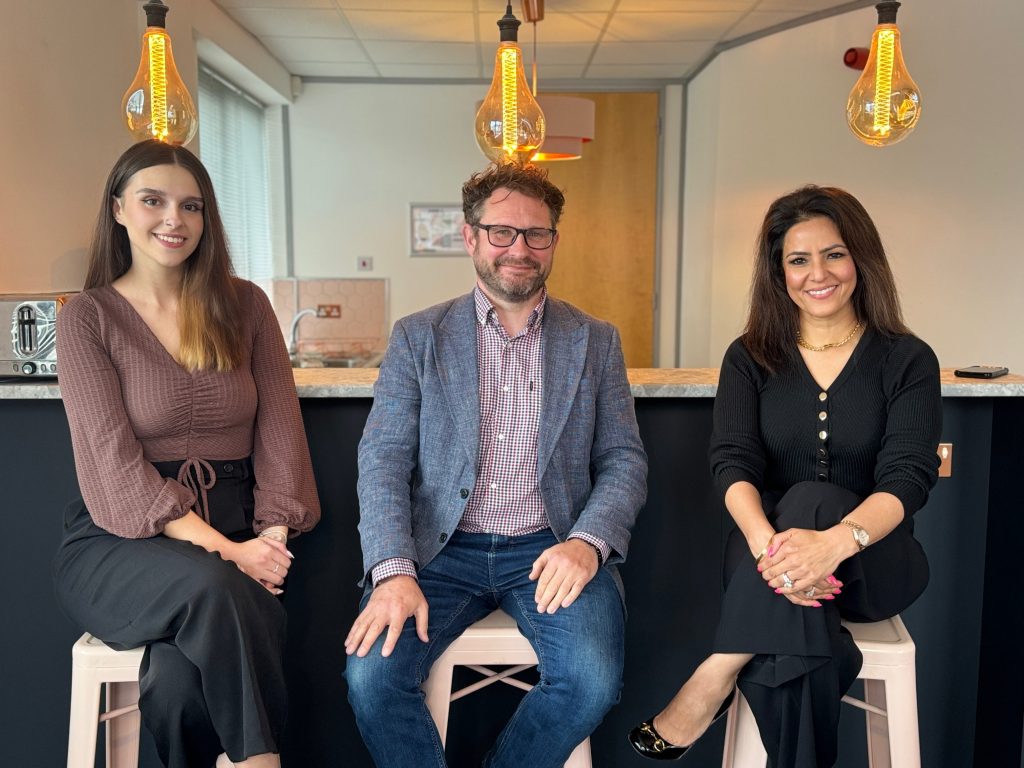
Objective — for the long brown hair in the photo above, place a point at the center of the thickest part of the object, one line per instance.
(209, 318)
(773, 320)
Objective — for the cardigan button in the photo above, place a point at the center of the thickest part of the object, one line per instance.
(442, 538)
(823, 434)
(464, 493)
(823, 396)
(822, 416)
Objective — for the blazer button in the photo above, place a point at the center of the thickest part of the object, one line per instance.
(442, 538)
(464, 493)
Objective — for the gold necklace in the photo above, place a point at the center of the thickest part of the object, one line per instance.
(830, 345)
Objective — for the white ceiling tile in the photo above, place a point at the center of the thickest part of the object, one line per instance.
(391, 52)
(296, 49)
(759, 21)
(335, 69)
(651, 53)
(688, 6)
(292, 4)
(429, 71)
(549, 72)
(560, 53)
(292, 23)
(404, 5)
(807, 6)
(671, 26)
(555, 28)
(413, 25)
(637, 71)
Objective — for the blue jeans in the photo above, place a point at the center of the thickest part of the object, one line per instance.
(579, 648)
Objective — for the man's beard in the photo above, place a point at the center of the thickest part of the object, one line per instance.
(512, 289)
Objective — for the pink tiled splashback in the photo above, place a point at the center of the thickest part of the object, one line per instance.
(361, 328)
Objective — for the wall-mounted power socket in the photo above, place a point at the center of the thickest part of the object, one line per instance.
(328, 310)
(364, 264)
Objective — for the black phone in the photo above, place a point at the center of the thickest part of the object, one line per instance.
(981, 371)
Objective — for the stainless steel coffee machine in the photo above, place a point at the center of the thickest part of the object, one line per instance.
(30, 349)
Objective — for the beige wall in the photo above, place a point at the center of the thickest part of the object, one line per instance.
(63, 70)
(769, 116)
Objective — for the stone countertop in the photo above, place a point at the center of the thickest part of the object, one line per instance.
(644, 382)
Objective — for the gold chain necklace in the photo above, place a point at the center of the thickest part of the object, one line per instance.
(830, 345)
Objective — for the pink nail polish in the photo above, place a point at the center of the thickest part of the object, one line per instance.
(771, 552)
(778, 591)
(831, 579)
(839, 592)
(760, 568)
(816, 604)
(828, 597)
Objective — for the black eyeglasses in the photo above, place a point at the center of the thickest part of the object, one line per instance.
(503, 236)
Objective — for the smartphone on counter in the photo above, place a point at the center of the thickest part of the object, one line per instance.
(981, 372)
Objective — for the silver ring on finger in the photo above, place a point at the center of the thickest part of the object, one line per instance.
(277, 567)
(810, 592)
(786, 581)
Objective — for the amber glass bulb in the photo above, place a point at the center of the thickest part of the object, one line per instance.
(509, 125)
(885, 103)
(157, 105)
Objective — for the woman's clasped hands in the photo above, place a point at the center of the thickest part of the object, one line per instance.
(799, 564)
(265, 559)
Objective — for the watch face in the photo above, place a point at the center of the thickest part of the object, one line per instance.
(861, 536)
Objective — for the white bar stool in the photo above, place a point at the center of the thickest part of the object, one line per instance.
(492, 640)
(890, 693)
(94, 665)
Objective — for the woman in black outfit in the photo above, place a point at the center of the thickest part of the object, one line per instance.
(826, 425)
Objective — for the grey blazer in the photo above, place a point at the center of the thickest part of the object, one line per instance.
(418, 454)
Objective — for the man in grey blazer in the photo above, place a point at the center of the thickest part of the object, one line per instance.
(500, 467)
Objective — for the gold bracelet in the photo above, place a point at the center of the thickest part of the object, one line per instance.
(279, 536)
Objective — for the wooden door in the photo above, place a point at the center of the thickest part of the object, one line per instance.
(605, 262)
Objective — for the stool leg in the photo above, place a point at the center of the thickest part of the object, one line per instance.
(123, 731)
(743, 747)
(438, 691)
(580, 757)
(85, 706)
(895, 741)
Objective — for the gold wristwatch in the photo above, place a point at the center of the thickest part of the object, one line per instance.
(859, 534)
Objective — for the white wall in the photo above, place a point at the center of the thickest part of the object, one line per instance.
(360, 154)
(769, 116)
(63, 71)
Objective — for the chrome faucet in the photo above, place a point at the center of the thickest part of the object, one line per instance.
(292, 334)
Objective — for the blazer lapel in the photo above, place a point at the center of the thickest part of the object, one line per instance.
(455, 358)
(565, 352)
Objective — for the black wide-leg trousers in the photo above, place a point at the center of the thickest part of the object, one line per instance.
(804, 660)
(212, 677)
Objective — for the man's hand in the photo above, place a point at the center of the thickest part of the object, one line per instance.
(561, 573)
(390, 604)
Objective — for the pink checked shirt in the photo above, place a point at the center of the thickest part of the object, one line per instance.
(506, 499)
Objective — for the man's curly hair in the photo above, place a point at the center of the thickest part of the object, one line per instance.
(528, 180)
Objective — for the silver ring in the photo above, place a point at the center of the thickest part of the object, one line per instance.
(786, 581)
(810, 592)
(277, 567)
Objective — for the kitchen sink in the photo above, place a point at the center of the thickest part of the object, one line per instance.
(324, 361)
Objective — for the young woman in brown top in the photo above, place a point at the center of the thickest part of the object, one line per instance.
(192, 462)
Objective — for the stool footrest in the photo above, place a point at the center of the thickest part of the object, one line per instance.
(494, 677)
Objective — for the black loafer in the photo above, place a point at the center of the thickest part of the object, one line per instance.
(648, 742)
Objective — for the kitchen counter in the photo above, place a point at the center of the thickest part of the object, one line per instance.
(964, 625)
(644, 382)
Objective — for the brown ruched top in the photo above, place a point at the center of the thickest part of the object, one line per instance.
(129, 403)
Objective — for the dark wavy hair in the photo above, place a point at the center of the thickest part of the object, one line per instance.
(528, 180)
(209, 316)
(773, 319)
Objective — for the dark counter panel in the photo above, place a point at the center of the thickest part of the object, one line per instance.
(672, 585)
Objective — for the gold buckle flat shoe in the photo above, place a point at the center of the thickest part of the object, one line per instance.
(646, 740)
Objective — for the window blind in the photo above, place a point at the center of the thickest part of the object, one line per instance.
(233, 146)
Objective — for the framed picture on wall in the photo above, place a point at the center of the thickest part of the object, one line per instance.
(435, 229)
